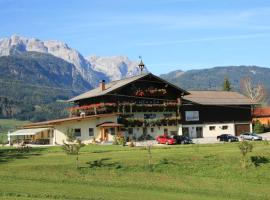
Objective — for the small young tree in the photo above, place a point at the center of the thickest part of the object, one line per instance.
(148, 147)
(226, 85)
(245, 147)
(73, 145)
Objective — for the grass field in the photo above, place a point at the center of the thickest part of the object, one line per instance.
(115, 172)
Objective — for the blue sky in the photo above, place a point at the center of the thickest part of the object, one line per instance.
(168, 34)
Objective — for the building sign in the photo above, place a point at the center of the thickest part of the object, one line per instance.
(192, 115)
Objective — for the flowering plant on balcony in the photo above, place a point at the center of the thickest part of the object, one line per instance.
(150, 92)
(97, 105)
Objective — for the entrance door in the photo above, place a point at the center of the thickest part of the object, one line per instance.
(199, 132)
(104, 134)
(241, 128)
(144, 131)
(185, 131)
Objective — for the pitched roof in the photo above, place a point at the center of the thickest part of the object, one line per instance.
(109, 124)
(57, 121)
(261, 112)
(109, 87)
(218, 98)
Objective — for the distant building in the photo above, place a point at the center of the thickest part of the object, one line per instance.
(145, 106)
(262, 115)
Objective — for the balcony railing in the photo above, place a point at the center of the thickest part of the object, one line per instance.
(138, 122)
(101, 108)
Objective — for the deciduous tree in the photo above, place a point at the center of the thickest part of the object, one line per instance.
(256, 93)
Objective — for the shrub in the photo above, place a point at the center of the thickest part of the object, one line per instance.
(258, 127)
(245, 147)
(119, 140)
(131, 144)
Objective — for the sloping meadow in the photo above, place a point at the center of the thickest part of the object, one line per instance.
(116, 172)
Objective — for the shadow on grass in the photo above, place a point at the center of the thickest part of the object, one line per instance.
(104, 163)
(101, 151)
(10, 154)
(259, 160)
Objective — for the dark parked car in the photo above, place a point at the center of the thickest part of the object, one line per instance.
(227, 138)
(181, 139)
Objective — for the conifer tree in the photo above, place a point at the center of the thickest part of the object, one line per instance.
(226, 85)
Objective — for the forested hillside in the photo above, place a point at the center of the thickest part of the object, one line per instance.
(33, 86)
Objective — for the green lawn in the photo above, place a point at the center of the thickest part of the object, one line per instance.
(115, 172)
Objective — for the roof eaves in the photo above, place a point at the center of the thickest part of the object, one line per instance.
(110, 88)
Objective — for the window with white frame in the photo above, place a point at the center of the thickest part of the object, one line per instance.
(192, 115)
(77, 132)
(91, 132)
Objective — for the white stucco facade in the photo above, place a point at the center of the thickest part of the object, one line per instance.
(84, 126)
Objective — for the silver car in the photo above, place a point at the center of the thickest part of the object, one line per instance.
(250, 136)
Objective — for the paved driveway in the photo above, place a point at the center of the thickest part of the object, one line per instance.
(208, 140)
(266, 136)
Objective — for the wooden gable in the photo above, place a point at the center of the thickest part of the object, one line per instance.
(150, 86)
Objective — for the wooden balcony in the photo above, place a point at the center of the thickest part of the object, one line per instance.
(141, 122)
(103, 108)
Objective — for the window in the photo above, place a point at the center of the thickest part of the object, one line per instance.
(129, 115)
(192, 115)
(130, 131)
(91, 132)
(173, 132)
(212, 128)
(149, 116)
(152, 130)
(165, 131)
(112, 131)
(224, 127)
(77, 132)
(167, 115)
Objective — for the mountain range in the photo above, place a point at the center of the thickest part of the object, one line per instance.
(89, 68)
(212, 78)
(36, 76)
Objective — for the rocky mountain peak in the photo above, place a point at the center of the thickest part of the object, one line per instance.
(91, 69)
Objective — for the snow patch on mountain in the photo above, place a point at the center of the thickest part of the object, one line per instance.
(18, 44)
(92, 69)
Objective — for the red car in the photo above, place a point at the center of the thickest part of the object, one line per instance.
(165, 139)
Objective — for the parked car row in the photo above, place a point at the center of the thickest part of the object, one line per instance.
(180, 139)
(243, 136)
(173, 139)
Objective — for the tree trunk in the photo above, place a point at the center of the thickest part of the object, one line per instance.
(77, 161)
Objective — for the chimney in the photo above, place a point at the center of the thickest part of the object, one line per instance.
(82, 114)
(102, 85)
